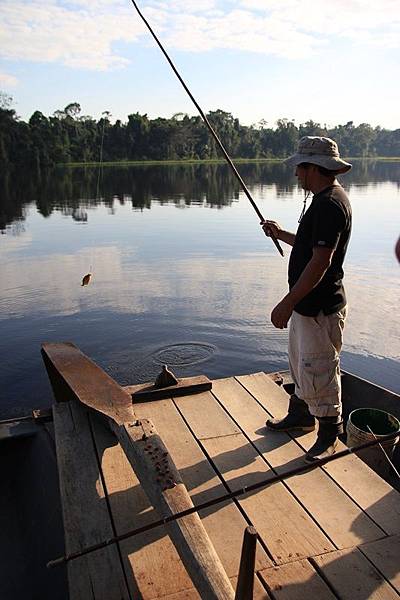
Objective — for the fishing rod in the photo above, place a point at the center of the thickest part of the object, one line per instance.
(210, 128)
(228, 496)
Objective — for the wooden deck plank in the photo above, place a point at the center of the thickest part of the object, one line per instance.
(385, 555)
(296, 581)
(285, 527)
(152, 564)
(353, 577)
(376, 497)
(74, 374)
(224, 523)
(147, 392)
(98, 575)
(203, 425)
(185, 595)
(259, 592)
(333, 510)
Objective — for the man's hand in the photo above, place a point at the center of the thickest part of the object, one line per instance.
(271, 227)
(282, 313)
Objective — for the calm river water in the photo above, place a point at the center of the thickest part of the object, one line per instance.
(182, 273)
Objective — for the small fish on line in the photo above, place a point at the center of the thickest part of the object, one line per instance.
(86, 279)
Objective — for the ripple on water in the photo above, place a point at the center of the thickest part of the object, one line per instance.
(183, 354)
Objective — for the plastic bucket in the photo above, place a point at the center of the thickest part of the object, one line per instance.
(381, 423)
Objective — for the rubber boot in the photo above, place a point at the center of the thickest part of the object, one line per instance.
(297, 419)
(327, 439)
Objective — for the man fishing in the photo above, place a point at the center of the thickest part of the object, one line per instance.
(316, 302)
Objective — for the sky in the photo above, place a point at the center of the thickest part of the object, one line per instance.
(332, 61)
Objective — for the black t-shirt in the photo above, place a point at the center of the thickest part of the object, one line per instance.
(326, 223)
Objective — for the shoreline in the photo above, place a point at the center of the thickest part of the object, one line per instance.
(195, 161)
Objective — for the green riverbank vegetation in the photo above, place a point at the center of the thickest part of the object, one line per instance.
(68, 136)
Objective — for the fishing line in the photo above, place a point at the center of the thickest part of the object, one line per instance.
(86, 278)
(208, 124)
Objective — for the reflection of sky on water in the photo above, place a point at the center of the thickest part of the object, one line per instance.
(176, 274)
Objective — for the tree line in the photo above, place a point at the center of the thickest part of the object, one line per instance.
(74, 191)
(68, 136)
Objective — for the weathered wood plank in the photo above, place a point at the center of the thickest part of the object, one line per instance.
(376, 497)
(353, 577)
(165, 489)
(285, 527)
(146, 392)
(224, 523)
(72, 373)
(206, 421)
(385, 555)
(333, 510)
(74, 376)
(152, 564)
(287, 530)
(296, 581)
(98, 575)
(185, 595)
(258, 594)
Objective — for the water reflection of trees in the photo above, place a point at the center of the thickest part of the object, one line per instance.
(73, 190)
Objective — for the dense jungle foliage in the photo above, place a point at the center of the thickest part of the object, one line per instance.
(68, 136)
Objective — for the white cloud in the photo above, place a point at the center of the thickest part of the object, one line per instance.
(80, 37)
(7, 81)
(84, 33)
(185, 6)
(358, 20)
(240, 30)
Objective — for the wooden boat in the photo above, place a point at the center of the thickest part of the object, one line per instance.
(330, 533)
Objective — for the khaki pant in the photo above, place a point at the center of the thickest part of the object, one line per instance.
(314, 347)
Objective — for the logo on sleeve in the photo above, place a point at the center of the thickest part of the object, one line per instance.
(321, 243)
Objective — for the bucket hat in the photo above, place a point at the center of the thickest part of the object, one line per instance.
(320, 151)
